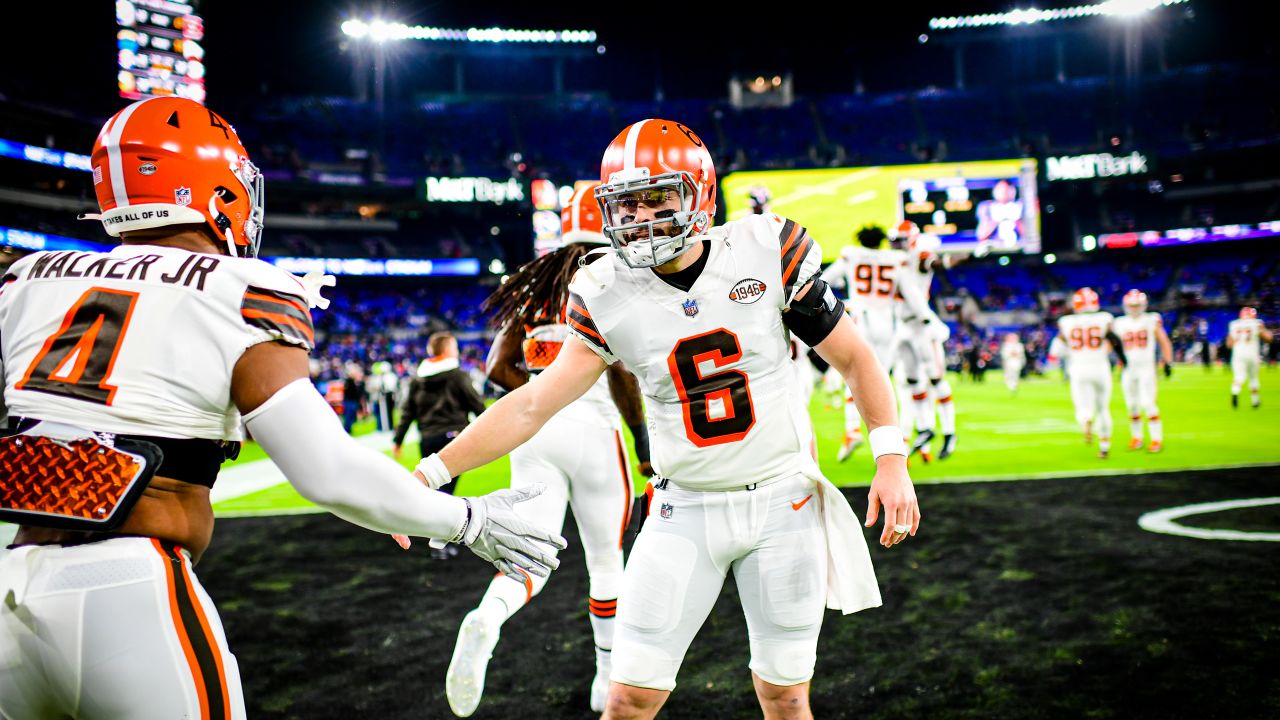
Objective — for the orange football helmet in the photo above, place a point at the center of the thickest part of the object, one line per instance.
(1248, 313)
(580, 220)
(171, 161)
(1135, 302)
(654, 162)
(1085, 300)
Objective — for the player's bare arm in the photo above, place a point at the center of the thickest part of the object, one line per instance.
(853, 357)
(514, 419)
(504, 364)
(625, 390)
(1264, 333)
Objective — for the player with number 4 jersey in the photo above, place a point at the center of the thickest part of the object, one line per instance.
(701, 315)
(126, 376)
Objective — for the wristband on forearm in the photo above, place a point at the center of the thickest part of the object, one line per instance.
(641, 435)
(887, 440)
(433, 469)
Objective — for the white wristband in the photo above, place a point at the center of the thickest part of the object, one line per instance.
(887, 440)
(433, 469)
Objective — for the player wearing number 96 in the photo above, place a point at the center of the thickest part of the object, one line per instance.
(1085, 340)
(134, 369)
(701, 316)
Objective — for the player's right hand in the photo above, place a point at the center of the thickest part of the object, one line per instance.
(395, 451)
(514, 545)
(646, 469)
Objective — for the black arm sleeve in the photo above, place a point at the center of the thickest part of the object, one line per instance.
(814, 314)
(817, 361)
(1117, 346)
(408, 414)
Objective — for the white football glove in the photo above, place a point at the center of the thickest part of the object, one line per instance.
(514, 545)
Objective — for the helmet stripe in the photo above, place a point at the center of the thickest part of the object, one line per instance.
(114, 162)
(574, 217)
(629, 150)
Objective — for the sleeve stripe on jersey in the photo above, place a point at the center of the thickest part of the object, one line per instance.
(792, 260)
(284, 325)
(579, 319)
(277, 296)
(588, 330)
(787, 235)
(269, 299)
(278, 308)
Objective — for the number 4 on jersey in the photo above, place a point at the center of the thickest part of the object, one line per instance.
(77, 359)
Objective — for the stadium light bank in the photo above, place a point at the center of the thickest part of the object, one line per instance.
(1032, 16)
(380, 31)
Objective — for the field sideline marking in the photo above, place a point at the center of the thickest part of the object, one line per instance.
(1162, 521)
(1083, 474)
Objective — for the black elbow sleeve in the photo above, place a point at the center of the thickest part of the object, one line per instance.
(814, 314)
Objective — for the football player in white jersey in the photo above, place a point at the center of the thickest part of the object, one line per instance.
(920, 337)
(1141, 332)
(126, 377)
(1084, 341)
(874, 277)
(701, 315)
(1013, 358)
(579, 456)
(1244, 336)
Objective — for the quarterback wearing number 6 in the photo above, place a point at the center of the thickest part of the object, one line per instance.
(701, 315)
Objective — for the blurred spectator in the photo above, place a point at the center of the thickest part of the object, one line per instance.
(354, 398)
(441, 400)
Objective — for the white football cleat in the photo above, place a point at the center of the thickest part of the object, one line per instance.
(464, 682)
(852, 441)
(599, 692)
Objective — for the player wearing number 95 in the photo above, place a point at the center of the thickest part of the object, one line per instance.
(701, 316)
(140, 364)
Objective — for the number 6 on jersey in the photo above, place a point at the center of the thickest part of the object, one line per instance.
(717, 407)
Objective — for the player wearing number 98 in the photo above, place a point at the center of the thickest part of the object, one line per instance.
(162, 346)
(1085, 340)
(701, 316)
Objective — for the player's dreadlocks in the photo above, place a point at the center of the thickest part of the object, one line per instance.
(537, 290)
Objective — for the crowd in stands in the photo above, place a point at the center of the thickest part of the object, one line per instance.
(1181, 111)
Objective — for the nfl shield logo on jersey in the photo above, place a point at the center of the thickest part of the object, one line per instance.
(666, 510)
(690, 307)
(182, 196)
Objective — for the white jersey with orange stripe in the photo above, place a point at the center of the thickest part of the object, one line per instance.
(1246, 338)
(1138, 335)
(541, 345)
(140, 340)
(1084, 340)
(713, 362)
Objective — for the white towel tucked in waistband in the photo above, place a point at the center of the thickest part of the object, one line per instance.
(851, 580)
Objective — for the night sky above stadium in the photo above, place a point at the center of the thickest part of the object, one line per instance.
(293, 47)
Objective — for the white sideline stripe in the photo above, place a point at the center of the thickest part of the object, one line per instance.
(1082, 474)
(1162, 521)
(249, 478)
